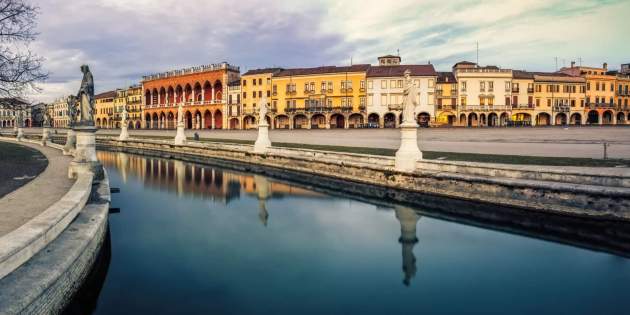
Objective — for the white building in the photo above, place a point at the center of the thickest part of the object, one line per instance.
(233, 105)
(10, 108)
(385, 86)
(482, 89)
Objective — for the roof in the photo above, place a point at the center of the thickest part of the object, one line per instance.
(263, 70)
(389, 56)
(323, 70)
(399, 70)
(446, 77)
(464, 63)
(520, 74)
(108, 94)
(13, 101)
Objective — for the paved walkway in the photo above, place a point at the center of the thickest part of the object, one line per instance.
(25, 203)
(20, 165)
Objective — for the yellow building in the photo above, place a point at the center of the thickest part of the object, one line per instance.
(522, 101)
(622, 94)
(104, 106)
(600, 93)
(559, 99)
(446, 99)
(319, 98)
(255, 84)
(134, 106)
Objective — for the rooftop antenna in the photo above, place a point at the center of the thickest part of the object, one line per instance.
(351, 60)
(398, 52)
(580, 60)
(477, 54)
(556, 59)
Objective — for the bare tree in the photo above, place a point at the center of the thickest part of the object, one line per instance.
(20, 69)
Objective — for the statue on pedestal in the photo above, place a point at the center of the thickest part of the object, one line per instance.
(262, 112)
(263, 143)
(72, 110)
(410, 100)
(85, 96)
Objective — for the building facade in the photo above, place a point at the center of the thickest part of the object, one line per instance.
(254, 85)
(59, 112)
(201, 90)
(385, 88)
(104, 106)
(11, 108)
(622, 95)
(600, 93)
(318, 98)
(135, 108)
(234, 106)
(446, 99)
(484, 94)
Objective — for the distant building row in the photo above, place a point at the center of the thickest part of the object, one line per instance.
(360, 96)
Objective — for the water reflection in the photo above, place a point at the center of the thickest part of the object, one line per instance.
(200, 239)
(219, 185)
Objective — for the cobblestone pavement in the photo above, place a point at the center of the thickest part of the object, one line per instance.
(584, 142)
(23, 204)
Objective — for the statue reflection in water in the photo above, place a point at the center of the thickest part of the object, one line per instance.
(263, 188)
(408, 219)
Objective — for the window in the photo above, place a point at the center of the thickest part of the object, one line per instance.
(383, 84)
(268, 93)
(363, 84)
(597, 86)
(244, 82)
(329, 102)
(537, 102)
(399, 83)
(323, 86)
(490, 86)
(482, 101)
(343, 102)
(507, 86)
(330, 85)
(259, 93)
(383, 99)
(306, 86)
(392, 84)
(268, 81)
(254, 81)
(362, 101)
(463, 101)
(312, 85)
(431, 83)
(259, 81)
(612, 87)
(507, 101)
(244, 95)
(254, 94)
(482, 86)
(463, 86)
(548, 102)
(370, 84)
(274, 88)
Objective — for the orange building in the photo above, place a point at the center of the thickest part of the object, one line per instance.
(202, 91)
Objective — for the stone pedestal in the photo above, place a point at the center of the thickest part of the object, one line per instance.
(180, 137)
(124, 134)
(45, 136)
(71, 143)
(20, 134)
(262, 143)
(408, 153)
(85, 154)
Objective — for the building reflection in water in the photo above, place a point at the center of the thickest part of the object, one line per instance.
(408, 219)
(187, 179)
(218, 185)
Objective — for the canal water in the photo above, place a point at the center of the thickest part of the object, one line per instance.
(194, 239)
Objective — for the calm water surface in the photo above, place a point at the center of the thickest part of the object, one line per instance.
(194, 239)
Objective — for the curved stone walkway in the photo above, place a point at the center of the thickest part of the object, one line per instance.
(23, 204)
(20, 164)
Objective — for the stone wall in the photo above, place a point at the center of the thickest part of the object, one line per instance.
(605, 195)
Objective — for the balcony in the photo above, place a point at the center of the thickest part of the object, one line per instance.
(600, 105)
(530, 91)
(516, 90)
(347, 90)
(522, 106)
(486, 108)
(447, 107)
(362, 90)
(318, 109)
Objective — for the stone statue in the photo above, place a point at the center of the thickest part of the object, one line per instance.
(262, 112)
(410, 100)
(124, 116)
(72, 110)
(180, 114)
(47, 118)
(85, 97)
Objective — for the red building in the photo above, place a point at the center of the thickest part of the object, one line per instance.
(202, 90)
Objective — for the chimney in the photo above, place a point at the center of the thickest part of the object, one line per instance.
(605, 66)
(572, 64)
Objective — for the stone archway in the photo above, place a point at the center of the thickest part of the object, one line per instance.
(607, 118)
(621, 118)
(300, 122)
(337, 121)
(543, 119)
(576, 119)
(281, 122)
(493, 120)
(561, 119)
(593, 117)
(218, 119)
(318, 121)
(423, 119)
(234, 123)
(355, 121)
(472, 120)
(189, 120)
(389, 120)
(207, 117)
(374, 120)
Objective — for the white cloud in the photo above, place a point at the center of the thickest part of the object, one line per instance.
(123, 40)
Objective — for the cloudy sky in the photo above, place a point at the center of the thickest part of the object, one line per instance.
(122, 40)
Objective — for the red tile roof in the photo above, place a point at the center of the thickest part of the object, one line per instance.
(108, 94)
(323, 70)
(399, 70)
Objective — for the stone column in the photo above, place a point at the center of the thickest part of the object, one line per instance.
(85, 160)
(408, 153)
